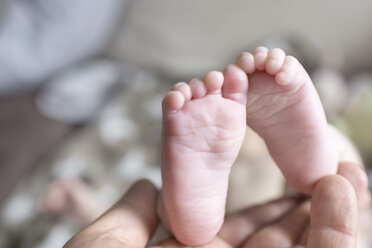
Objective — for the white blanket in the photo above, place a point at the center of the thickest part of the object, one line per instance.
(41, 37)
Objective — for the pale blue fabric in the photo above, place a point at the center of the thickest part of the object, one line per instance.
(41, 37)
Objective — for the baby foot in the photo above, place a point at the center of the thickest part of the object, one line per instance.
(204, 124)
(283, 107)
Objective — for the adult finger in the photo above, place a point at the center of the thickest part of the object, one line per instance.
(334, 214)
(217, 242)
(358, 178)
(285, 232)
(129, 223)
(240, 225)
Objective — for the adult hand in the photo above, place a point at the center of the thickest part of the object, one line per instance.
(129, 223)
(330, 219)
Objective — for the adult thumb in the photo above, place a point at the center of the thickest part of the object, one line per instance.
(334, 214)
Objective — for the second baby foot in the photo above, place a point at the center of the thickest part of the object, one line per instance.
(204, 123)
(283, 107)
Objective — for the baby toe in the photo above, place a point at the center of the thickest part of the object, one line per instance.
(235, 86)
(274, 61)
(173, 101)
(214, 81)
(260, 55)
(246, 62)
(288, 71)
(184, 89)
(198, 88)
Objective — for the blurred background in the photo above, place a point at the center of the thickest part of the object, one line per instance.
(81, 84)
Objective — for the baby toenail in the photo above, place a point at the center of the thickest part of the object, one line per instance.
(194, 81)
(260, 54)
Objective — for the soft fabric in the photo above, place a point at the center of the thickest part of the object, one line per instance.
(41, 37)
